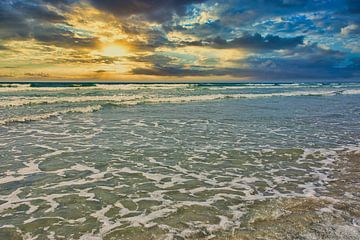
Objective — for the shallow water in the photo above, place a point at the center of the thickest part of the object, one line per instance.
(187, 161)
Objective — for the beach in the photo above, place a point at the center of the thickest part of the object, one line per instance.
(180, 161)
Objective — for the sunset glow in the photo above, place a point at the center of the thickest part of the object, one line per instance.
(197, 40)
(114, 51)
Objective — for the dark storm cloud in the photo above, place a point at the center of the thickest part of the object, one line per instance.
(179, 71)
(20, 20)
(62, 38)
(154, 10)
(17, 16)
(33, 10)
(210, 29)
(256, 41)
(186, 72)
(264, 69)
(301, 62)
(152, 38)
(299, 69)
(59, 2)
(12, 23)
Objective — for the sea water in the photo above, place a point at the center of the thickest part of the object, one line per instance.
(180, 161)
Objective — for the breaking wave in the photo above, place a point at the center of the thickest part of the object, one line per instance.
(127, 99)
(42, 116)
(16, 101)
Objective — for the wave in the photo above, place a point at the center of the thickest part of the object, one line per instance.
(42, 116)
(14, 85)
(19, 101)
(138, 99)
(141, 86)
(261, 86)
(351, 92)
(215, 87)
(194, 98)
(13, 88)
(109, 87)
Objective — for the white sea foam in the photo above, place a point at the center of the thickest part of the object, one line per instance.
(81, 167)
(20, 101)
(43, 116)
(8, 179)
(254, 86)
(194, 98)
(148, 219)
(351, 92)
(136, 99)
(246, 95)
(31, 167)
(140, 86)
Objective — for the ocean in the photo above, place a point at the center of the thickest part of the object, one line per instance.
(180, 161)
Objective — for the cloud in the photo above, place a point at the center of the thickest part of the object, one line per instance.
(63, 38)
(350, 29)
(33, 10)
(2, 48)
(309, 61)
(21, 20)
(154, 59)
(301, 62)
(178, 71)
(256, 41)
(100, 71)
(275, 39)
(242, 12)
(59, 2)
(209, 29)
(156, 10)
(40, 75)
(6, 75)
(87, 59)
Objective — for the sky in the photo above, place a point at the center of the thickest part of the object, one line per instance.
(173, 40)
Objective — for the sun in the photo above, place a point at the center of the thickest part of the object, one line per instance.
(114, 50)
